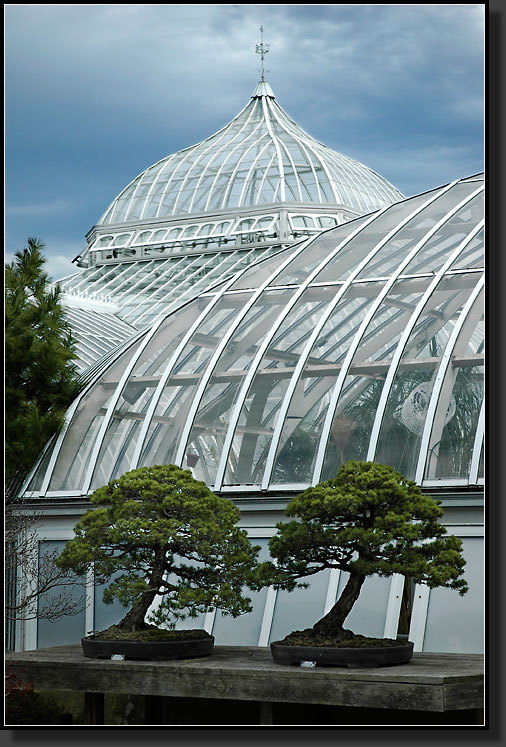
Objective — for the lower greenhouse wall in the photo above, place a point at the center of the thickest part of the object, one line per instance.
(440, 620)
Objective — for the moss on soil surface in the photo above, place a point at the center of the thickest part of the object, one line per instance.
(348, 639)
(149, 633)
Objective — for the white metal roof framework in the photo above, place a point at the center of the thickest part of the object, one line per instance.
(137, 292)
(363, 342)
(200, 215)
(98, 333)
(260, 157)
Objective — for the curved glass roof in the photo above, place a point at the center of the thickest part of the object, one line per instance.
(262, 156)
(142, 289)
(363, 342)
(96, 333)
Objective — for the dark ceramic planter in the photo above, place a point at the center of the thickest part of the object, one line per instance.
(153, 650)
(382, 656)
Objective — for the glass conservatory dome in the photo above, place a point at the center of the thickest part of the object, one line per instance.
(204, 213)
(260, 157)
(363, 342)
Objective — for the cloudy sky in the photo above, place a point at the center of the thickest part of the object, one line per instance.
(97, 93)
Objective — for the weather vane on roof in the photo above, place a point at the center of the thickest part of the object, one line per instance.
(262, 50)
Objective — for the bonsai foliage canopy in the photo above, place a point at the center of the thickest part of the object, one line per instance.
(367, 520)
(158, 531)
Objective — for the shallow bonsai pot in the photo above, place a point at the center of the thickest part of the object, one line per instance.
(153, 650)
(333, 656)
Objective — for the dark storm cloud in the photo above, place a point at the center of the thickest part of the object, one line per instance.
(96, 93)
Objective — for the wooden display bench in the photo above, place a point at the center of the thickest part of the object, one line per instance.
(447, 688)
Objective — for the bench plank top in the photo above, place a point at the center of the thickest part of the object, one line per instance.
(434, 681)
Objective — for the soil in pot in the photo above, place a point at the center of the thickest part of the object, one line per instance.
(149, 643)
(347, 650)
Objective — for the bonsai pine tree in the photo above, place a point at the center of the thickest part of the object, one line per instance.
(367, 520)
(159, 531)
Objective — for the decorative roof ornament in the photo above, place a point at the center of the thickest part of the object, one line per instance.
(261, 157)
(262, 50)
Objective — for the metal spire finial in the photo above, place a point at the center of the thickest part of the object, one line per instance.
(262, 50)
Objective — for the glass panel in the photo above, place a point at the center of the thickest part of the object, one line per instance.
(37, 479)
(68, 628)
(122, 204)
(361, 390)
(326, 221)
(140, 309)
(244, 630)
(405, 414)
(301, 608)
(406, 239)
(451, 456)
(301, 221)
(221, 227)
(264, 222)
(214, 410)
(437, 250)
(350, 255)
(458, 409)
(103, 241)
(403, 423)
(73, 459)
(244, 225)
(481, 464)
(142, 237)
(190, 231)
(153, 202)
(158, 235)
(317, 251)
(172, 409)
(259, 272)
(454, 623)
(117, 452)
(121, 240)
(119, 441)
(301, 431)
(259, 413)
(473, 255)
(173, 233)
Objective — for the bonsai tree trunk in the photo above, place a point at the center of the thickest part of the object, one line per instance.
(332, 623)
(134, 619)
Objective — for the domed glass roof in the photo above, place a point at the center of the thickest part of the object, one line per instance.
(363, 342)
(260, 157)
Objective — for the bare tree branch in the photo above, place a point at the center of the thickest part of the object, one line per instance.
(31, 576)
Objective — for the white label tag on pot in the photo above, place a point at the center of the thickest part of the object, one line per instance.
(308, 664)
(118, 657)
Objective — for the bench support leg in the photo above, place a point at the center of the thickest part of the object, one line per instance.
(266, 713)
(153, 710)
(94, 708)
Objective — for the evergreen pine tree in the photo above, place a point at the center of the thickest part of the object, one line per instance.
(41, 377)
